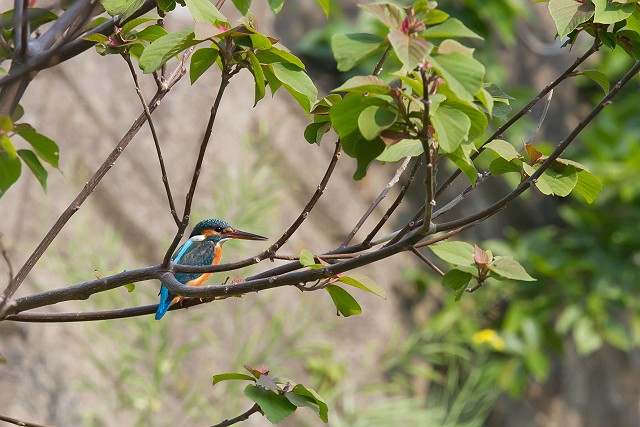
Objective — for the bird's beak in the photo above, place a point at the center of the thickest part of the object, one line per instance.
(243, 235)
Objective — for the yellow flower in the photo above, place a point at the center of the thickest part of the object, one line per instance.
(491, 337)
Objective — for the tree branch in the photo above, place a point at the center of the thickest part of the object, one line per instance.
(163, 170)
(20, 422)
(7, 260)
(242, 417)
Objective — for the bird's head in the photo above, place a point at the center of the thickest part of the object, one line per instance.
(221, 231)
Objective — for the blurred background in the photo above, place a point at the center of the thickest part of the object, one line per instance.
(562, 351)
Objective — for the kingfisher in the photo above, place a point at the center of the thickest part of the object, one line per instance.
(204, 247)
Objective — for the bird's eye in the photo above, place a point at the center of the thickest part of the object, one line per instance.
(218, 229)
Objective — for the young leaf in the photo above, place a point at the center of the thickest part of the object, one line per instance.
(463, 74)
(300, 390)
(130, 287)
(297, 83)
(374, 119)
(10, 165)
(204, 11)
(151, 33)
(345, 303)
(201, 60)
(509, 268)
(486, 99)
(44, 147)
(451, 28)
(36, 167)
(411, 51)
(275, 54)
(400, 150)
(231, 376)
(456, 253)
(389, 14)
(258, 76)
(451, 126)
(164, 48)
(326, 6)
(568, 14)
(599, 77)
(307, 258)
(462, 159)
(555, 183)
(129, 26)
(275, 407)
(364, 283)
(351, 49)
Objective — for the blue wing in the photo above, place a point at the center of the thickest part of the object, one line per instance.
(193, 252)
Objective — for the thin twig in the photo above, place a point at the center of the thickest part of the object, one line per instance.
(525, 110)
(427, 261)
(396, 202)
(20, 422)
(242, 417)
(381, 62)
(394, 180)
(224, 82)
(165, 179)
(429, 157)
(83, 195)
(7, 260)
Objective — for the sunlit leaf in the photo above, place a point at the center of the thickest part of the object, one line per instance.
(609, 12)
(275, 407)
(297, 83)
(364, 283)
(165, 48)
(457, 253)
(300, 390)
(44, 147)
(503, 149)
(411, 51)
(509, 268)
(258, 76)
(389, 14)
(344, 302)
(568, 14)
(588, 186)
(351, 49)
(451, 126)
(451, 28)
(231, 376)
(204, 11)
(599, 77)
(374, 119)
(400, 150)
(463, 74)
(370, 84)
(10, 165)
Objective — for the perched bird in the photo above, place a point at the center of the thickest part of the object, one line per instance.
(204, 247)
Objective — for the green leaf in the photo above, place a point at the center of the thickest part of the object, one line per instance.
(389, 14)
(130, 287)
(400, 150)
(151, 33)
(275, 407)
(10, 165)
(204, 11)
(307, 258)
(477, 117)
(373, 120)
(501, 166)
(351, 49)
(503, 149)
(167, 5)
(463, 74)
(559, 183)
(275, 54)
(129, 26)
(297, 83)
(258, 76)
(610, 12)
(231, 376)
(164, 48)
(588, 185)
(451, 28)
(315, 131)
(486, 99)
(34, 164)
(509, 268)
(568, 14)
(345, 303)
(364, 283)
(44, 147)
(276, 5)
(411, 51)
(462, 159)
(456, 253)
(599, 77)
(451, 126)
(457, 280)
(326, 6)
(370, 84)
(272, 80)
(201, 60)
(242, 5)
(322, 408)
(344, 117)
(96, 37)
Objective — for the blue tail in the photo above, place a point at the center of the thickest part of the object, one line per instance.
(165, 302)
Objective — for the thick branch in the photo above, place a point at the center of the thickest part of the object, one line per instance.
(20, 422)
(242, 417)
